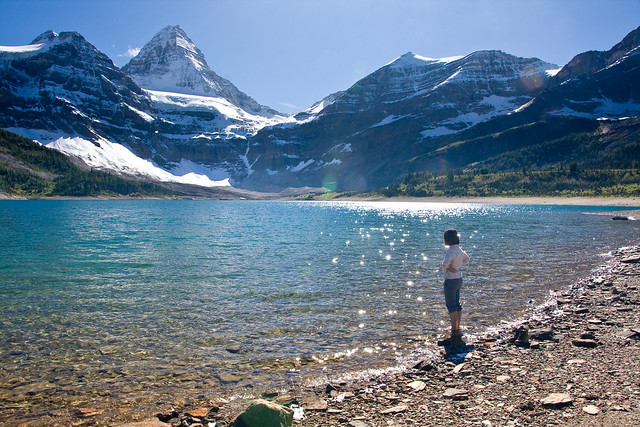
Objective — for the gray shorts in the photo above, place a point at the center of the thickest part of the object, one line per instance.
(452, 294)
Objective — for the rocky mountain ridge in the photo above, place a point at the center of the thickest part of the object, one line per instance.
(168, 108)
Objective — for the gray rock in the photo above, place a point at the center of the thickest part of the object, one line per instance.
(313, 403)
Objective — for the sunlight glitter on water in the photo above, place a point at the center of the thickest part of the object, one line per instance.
(158, 291)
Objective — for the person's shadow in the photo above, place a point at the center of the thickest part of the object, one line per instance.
(456, 351)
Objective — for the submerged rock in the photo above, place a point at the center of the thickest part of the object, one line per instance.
(262, 413)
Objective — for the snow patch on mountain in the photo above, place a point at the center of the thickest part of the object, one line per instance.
(493, 106)
(106, 155)
(599, 108)
(389, 119)
(230, 111)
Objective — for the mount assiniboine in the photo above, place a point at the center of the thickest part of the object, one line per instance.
(166, 116)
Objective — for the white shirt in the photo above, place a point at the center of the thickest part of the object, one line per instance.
(454, 258)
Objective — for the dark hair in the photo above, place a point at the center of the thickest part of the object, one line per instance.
(451, 237)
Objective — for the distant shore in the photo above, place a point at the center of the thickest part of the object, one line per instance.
(569, 201)
(631, 202)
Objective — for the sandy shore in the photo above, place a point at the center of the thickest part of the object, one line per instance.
(573, 362)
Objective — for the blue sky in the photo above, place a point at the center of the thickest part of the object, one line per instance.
(288, 54)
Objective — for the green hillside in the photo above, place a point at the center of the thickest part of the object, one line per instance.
(29, 169)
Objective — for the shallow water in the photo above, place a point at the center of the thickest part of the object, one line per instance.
(144, 302)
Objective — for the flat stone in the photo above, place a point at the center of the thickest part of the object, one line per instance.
(626, 334)
(557, 399)
(313, 403)
(459, 368)
(229, 378)
(619, 408)
(198, 412)
(395, 410)
(587, 343)
(417, 385)
(591, 410)
(358, 423)
(89, 412)
(150, 422)
(503, 378)
(631, 260)
(456, 394)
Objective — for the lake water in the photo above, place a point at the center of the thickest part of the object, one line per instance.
(110, 304)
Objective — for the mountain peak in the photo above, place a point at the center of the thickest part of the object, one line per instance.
(171, 62)
(413, 59)
(47, 36)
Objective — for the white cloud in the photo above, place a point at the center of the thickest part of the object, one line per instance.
(290, 106)
(131, 52)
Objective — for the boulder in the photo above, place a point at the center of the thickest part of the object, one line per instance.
(262, 413)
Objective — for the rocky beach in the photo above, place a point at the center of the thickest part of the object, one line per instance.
(574, 362)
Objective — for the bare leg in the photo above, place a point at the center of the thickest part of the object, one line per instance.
(455, 323)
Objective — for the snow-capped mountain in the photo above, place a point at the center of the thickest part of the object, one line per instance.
(61, 90)
(173, 118)
(365, 135)
(171, 62)
(61, 85)
(597, 85)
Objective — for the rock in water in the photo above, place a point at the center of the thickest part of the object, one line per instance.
(262, 413)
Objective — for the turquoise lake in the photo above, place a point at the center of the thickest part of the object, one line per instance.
(138, 302)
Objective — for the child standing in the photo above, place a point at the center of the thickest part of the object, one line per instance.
(453, 261)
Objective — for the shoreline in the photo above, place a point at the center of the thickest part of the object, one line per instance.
(631, 202)
(560, 201)
(574, 361)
